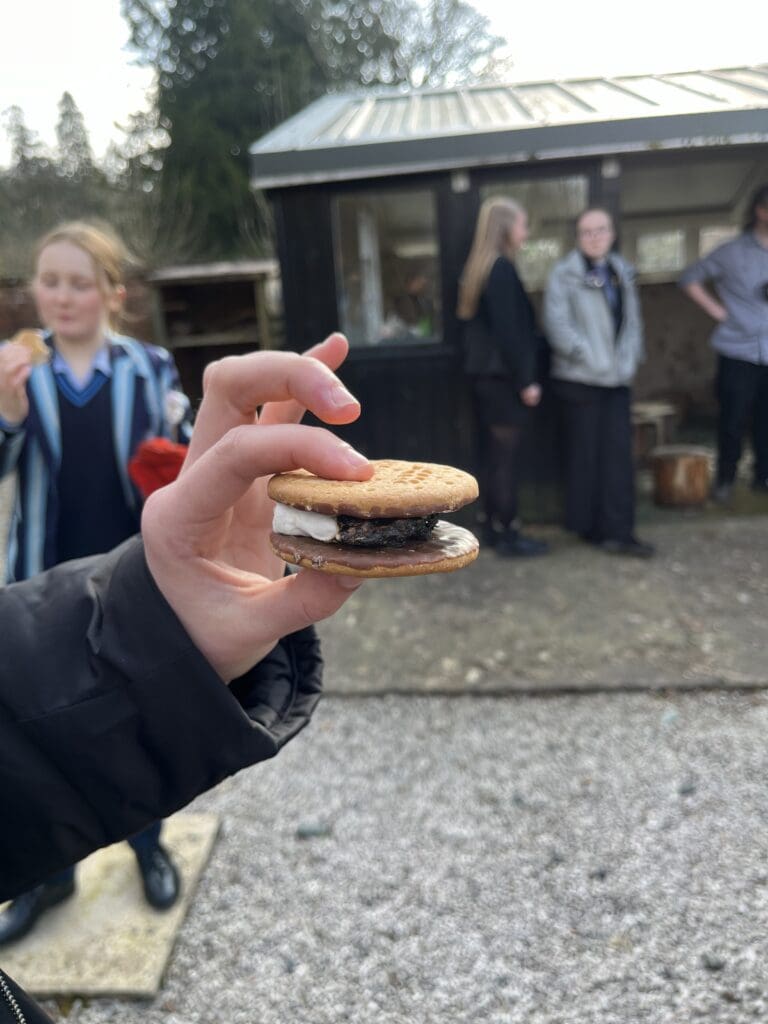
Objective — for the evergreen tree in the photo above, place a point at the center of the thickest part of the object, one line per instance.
(40, 189)
(75, 159)
(230, 70)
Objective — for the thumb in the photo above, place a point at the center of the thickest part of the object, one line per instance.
(305, 597)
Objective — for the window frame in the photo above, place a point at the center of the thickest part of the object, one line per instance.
(430, 184)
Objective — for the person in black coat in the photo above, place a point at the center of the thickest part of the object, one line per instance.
(501, 345)
(133, 681)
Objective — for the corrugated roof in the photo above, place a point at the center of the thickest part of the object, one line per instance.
(379, 132)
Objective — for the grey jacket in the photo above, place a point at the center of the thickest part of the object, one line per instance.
(739, 271)
(580, 328)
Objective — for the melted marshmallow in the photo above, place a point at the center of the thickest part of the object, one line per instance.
(297, 522)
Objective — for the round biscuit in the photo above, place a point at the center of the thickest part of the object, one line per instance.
(33, 342)
(396, 490)
(449, 547)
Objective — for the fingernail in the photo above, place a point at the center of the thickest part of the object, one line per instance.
(336, 395)
(353, 457)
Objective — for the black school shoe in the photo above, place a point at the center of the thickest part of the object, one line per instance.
(159, 877)
(632, 548)
(721, 493)
(516, 545)
(19, 917)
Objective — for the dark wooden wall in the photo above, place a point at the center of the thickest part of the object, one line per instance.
(416, 400)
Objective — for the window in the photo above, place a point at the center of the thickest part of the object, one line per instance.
(552, 205)
(660, 251)
(387, 267)
(711, 237)
(677, 208)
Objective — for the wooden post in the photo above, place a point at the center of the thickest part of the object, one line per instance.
(158, 316)
(262, 316)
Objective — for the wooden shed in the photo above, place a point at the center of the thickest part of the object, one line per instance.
(206, 311)
(375, 197)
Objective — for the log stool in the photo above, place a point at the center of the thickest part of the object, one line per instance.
(682, 474)
(653, 424)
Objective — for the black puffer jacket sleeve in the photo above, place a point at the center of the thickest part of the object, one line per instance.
(110, 718)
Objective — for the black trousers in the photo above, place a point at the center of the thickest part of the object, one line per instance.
(742, 391)
(599, 467)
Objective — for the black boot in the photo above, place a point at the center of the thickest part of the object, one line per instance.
(489, 535)
(632, 548)
(159, 876)
(19, 916)
(514, 544)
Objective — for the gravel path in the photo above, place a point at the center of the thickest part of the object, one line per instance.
(594, 859)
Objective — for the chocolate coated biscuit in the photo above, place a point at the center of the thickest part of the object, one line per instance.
(449, 547)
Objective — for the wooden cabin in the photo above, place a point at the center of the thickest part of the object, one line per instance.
(375, 196)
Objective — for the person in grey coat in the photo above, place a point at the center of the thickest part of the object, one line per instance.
(739, 272)
(594, 326)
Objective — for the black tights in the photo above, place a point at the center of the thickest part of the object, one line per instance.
(499, 461)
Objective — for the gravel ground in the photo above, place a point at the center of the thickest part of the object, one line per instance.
(565, 859)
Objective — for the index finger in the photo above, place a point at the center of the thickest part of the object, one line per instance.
(235, 387)
(332, 351)
(223, 474)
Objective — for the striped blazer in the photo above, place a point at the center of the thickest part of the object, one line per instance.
(142, 378)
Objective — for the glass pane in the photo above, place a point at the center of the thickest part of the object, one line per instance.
(711, 237)
(676, 209)
(387, 267)
(552, 205)
(658, 251)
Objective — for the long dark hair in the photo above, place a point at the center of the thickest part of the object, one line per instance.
(759, 198)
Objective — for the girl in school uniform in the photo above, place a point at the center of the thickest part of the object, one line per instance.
(68, 428)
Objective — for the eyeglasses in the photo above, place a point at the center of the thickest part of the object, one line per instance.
(593, 232)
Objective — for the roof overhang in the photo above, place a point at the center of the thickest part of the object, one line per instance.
(291, 167)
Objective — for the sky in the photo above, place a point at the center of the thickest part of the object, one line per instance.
(82, 47)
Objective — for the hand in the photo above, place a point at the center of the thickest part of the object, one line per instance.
(531, 395)
(206, 535)
(15, 368)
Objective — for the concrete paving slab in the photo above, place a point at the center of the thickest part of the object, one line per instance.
(106, 940)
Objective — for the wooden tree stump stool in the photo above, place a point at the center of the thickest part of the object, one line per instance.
(682, 474)
(653, 424)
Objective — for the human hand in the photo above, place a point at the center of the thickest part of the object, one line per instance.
(206, 536)
(531, 395)
(15, 368)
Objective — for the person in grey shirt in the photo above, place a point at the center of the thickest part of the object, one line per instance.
(594, 327)
(739, 272)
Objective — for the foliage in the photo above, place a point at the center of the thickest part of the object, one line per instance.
(40, 189)
(230, 70)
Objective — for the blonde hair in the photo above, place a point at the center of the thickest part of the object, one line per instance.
(106, 250)
(492, 238)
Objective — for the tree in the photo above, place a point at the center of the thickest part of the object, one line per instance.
(75, 159)
(444, 43)
(40, 189)
(230, 70)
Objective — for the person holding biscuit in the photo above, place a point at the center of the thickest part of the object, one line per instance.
(132, 682)
(76, 400)
(501, 346)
